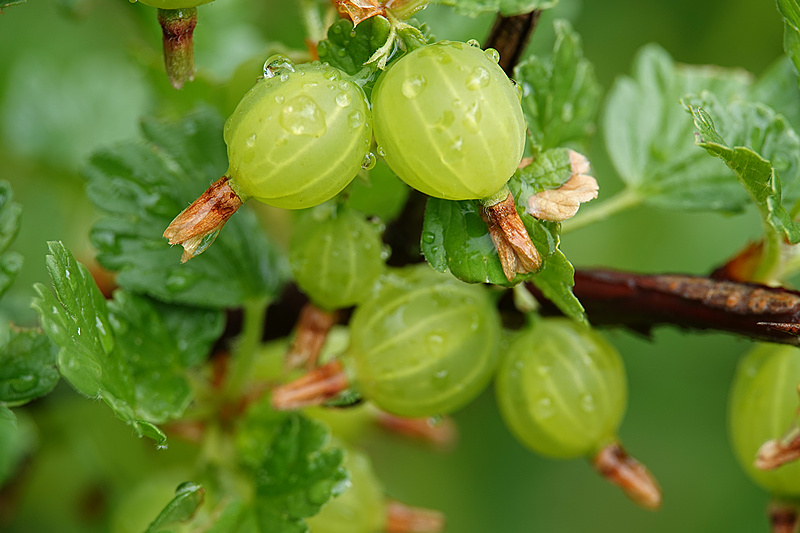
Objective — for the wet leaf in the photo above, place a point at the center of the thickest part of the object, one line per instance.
(188, 498)
(473, 8)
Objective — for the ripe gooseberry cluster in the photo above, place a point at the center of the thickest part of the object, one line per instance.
(448, 122)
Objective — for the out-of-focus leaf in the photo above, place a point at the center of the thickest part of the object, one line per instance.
(561, 94)
(299, 475)
(142, 186)
(188, 498)
(650, 139)
(10, 213)
(8, 3)
(17, 439)
(132, 353)
(790, 10)
(380, 193)
(778, 88)
(473, 8)
(756, 174)
(27, 366)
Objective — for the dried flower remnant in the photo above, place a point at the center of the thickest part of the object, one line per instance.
(562, 203)
(517, 253)
(614, 464)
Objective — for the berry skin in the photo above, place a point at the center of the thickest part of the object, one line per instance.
(423, 344)
(561, 389)
(298, 137)
(761, 407)
(336, 261)
(449, 121)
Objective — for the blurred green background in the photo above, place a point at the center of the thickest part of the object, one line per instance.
(76, 75)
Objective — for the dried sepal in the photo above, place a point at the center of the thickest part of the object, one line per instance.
(177, 27)
(517, 253)
(614, 464)
(318, 386)
(311, 332)
(783, 517)
(359, 10)
(441, 432)
(402, 518)
(196, 227)
(562, 203)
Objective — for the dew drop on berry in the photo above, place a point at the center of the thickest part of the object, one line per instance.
(381, 151)
(279, 98)
(342, 99)
(445, 121)
(435, 344)
(251, 140)
(472, 118)
(413, 86)
(543, 408)
(356, 119)
(474, 43)
(278, 65)
(441, 379)
(587, 403)
(302, 116)
(492, 54)
(369, 161)
(478, 79)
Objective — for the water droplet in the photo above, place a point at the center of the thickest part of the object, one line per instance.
(518, 88)
(284, 76)
(457, 103)
(331, 74)
(251, 141)
(342, 99)
(381, 151)
(369, 161)
(439, 52)
(67, 273)
(434, 343)
(587, 403)
(341, 52)
(386, 251)
(413, 86)
(336, 28)
(302, 116)
(356, 119)
(79, 330)
(441, 379)
(492, 54)
(543, 370)
(428, 237)
(472, 117)
(445, 121)
(456, 145)
(474, 43)
(543, 408)
(478, 79)
(278, 65)
(179, 280)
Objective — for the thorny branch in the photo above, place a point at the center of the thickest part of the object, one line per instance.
(640, 302)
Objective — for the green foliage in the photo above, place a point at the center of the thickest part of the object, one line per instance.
(650, 139)
(380, 193)
(790, 10)
(773, 137)
(141, 186)
(474, 8)
(27, 366)
(560, 94)
(10, 212)
(348, 48)
(123, 351)
(188, 497)
(299, 475)
(17, 440)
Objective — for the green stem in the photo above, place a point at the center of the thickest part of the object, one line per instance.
(623, 200)
(246, 350)
(770, 265)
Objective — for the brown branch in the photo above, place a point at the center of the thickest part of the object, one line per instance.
(510, 36)
(641, 302)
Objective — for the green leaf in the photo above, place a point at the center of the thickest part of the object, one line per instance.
(17, 439)
(561, 94)
(10, 213)
(790, 10)
(131, 352)
(8, 3)
(141, 186)
(188, 498)
(549, 170)
(379, 193)
(27, 366)
(650, 139)
(755, 173)
(778, 88)
(348, 48)
(473, 8)
(299, 475)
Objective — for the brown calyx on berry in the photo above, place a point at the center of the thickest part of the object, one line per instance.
(614, 464)
(177, 26)
(318, 386)
(442, 432)
(517, 253)
(311, 331)
(196, 227)
(402, 518)
(783, 517)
